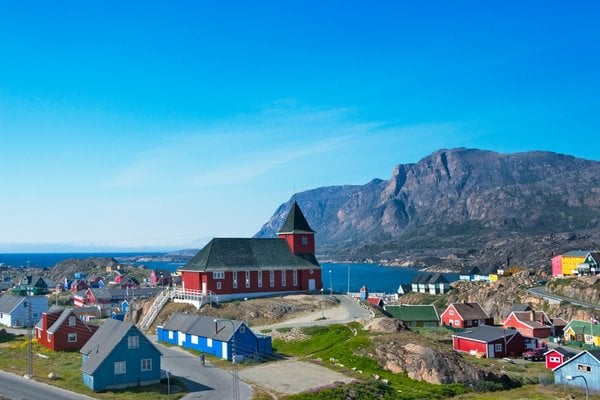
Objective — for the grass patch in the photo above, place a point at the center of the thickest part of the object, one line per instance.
(14, 356)
(282, 330)
(339, 345)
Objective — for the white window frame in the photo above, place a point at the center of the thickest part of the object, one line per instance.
(272, 278)
(72, 320)
(170, 334)
(219, 275)
(554, 359)
(209, 342)
(295, 277)
(120, 367)
(48, 337)
(133, 342)
(194, 339)
(283, 278)
(72, 337)
(146, 364)
(219, 285)
(235, 279)
(451, 312)
(259, 278)
(498, 347)
(247, 279)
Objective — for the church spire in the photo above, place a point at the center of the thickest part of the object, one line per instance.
(295, 221)
(296, 231)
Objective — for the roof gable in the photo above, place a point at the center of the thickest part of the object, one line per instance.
(295, 221)
(591, 354)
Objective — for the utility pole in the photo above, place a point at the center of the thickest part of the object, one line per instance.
(234, 367)
(29, 336)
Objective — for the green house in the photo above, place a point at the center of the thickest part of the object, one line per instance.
(415, 315)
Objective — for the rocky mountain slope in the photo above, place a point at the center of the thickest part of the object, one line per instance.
(459, 206)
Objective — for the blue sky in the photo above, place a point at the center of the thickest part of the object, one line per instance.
(162, 124)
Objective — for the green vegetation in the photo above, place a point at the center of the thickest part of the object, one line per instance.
(282, 330)
(345, 348)
(66, 365)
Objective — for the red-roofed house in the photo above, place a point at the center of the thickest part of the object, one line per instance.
(557, 356)
(465, 315)
(530, 323)
(62, 330)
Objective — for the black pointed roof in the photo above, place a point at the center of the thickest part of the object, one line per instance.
(295, 221)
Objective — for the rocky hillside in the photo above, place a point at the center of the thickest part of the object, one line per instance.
(459, 206)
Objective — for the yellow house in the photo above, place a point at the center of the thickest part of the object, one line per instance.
(571, 260)
(583, 332)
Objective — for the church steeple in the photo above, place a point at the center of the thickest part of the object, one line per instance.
(296, 231)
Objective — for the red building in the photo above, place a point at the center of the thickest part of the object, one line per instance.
(530, 323)
(465, 315)
(557, 356)
(492, 342)
(62, 330)
(238, 267)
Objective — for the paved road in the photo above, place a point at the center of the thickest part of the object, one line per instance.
(15, 387)
(206, 383)
(349, 310)
(540, 291)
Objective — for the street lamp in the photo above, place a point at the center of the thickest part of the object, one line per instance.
(330, 284)
(572, 377)
(234, 370)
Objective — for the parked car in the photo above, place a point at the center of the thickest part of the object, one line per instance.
(535, 354)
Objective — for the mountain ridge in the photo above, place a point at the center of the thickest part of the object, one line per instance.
(458, 206)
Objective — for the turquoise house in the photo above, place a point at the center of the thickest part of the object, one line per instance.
(117, 356)
(582, 369)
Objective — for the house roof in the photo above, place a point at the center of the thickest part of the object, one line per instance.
(470, 311)
(9, 302)
(576, 253)
(583, 327)
(248, 253)
(540, 319)
(490, 269)
(203, 326)
(485, 333)
(295, 221)
(62, 318)
(521, 307)
(104, 341)
(407, 312)
(561, 350)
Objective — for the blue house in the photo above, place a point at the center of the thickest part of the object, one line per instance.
(585, 364)
(220, 338)
(117, 356)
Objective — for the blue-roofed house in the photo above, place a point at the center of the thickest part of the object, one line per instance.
(585, 364)
(215, 337)
(117, 356)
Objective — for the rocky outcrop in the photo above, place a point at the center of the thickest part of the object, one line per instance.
(434, 365)
(459, 206)
(385, 325)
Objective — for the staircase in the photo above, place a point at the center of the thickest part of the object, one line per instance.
(159, 301)
(194, 297)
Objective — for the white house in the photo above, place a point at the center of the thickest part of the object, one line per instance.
(14, 311)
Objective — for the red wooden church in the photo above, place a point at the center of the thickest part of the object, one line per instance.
(251, 267)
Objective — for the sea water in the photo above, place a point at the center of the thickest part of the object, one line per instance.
(340, 277)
